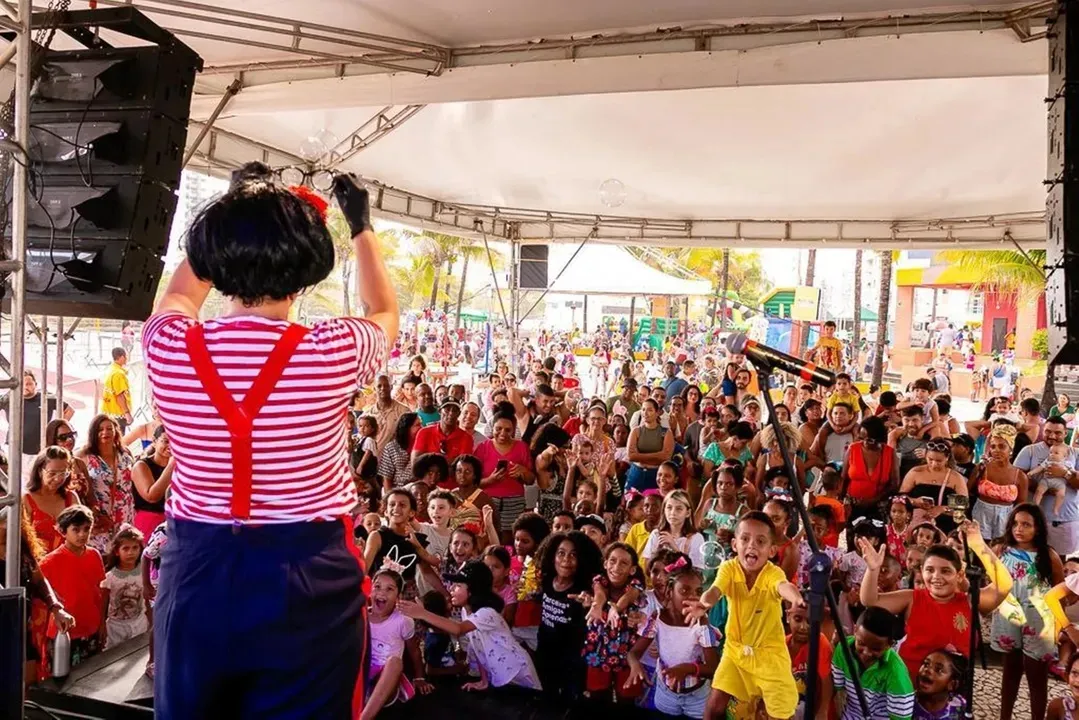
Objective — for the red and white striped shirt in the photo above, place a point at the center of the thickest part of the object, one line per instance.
(299, 436)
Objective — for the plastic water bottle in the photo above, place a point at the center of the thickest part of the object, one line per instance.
(61, 661)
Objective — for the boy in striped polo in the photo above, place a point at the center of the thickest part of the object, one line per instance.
(884, 676)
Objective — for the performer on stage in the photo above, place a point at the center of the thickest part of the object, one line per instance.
(260, 609)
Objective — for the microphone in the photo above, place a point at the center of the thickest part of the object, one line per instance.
(764, 356)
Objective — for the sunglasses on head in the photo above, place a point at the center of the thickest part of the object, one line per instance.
(938, 446)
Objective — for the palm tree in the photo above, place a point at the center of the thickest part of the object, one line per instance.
(811, 271)
(466, 252)
(882, 315)
(856, 340)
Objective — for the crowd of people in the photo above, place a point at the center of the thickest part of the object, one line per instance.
(635, 546)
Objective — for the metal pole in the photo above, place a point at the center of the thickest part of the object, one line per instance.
(632, 308)
(230, 92)
(18, 294)
(59, 367)
(726, 283)
(515, 297)
(44, 389)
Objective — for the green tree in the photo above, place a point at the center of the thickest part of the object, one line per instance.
(746, 280)
(856, 340)
(882, 315)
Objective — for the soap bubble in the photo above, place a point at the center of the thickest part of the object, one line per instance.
(312, 148)
(612, 193)
(327, 138)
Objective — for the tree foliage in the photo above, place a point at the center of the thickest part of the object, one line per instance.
(747, 282)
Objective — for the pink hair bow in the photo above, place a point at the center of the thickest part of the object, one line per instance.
(679, 563)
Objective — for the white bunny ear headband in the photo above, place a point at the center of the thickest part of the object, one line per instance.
(392, 561)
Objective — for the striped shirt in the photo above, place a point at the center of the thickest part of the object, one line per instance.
(888, 689)
(299, 437)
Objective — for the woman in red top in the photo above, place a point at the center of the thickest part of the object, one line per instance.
(262, 592)
(47, 494)
(870, 474)
(938, 615)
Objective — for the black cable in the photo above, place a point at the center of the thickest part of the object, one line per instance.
(31, 705)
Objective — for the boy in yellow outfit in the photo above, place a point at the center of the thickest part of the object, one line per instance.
(755, 661)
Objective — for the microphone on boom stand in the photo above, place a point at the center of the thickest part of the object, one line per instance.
(766, 359)
(958, 505)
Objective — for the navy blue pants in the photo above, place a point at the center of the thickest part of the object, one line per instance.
(259, 622)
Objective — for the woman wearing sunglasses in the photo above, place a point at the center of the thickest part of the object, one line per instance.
(929, 486)
(59, 432)
(48, 492)
(870, 473)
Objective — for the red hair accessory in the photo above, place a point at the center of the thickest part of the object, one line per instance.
(311, 198)
(679, 563)
(470, 527)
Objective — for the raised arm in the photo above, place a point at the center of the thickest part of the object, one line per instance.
(185, 293)
(374, 291)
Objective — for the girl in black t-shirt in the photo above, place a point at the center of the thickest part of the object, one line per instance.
(567, 564)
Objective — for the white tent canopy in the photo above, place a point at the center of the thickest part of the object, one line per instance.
(909, 123)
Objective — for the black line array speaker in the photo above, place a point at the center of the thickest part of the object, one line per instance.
(1062, 204)
(534, 267)
(108, 126)
(12, 650)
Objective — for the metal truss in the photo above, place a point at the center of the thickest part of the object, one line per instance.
(382, 124)
(1028, 23)
(226, 151)
(296, 37)
(15, 160)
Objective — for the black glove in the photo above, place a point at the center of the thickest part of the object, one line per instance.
(354, 201)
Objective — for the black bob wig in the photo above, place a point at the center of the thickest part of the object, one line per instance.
(259, 241)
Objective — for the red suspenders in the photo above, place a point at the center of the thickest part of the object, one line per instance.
(240, 418)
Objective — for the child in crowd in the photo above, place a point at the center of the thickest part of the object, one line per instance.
(563, 521)
(900, 513)
(582, 468)
(687, 654)
(75, 572)
(567, 564)
(616, 592)
(1064, 707)
(464, 547)
(1058, 457)
(1023, 627)
(884, 678)
(438, 652)
(926, 535)
(397, 546)
(594, 527)
(523, 614)
(831, 483)
(1070, 603)
(493, 654)
(755, 661)
(391, 634)
(937, 687)
(676, 530)
(372, 522)
(666, 477)
(123, 588)
(587, 493)
(638, 534)
(365, 452)
(441, 505)
(497, 560)
(798, 647)
(779, 511)
(631, 513)
(151, 575)
(938, 615)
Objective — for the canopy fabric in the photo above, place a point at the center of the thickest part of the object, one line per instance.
(606, 270)
(830, 112)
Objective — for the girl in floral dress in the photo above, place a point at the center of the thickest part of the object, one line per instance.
(617, 592)
(109, 465)
(1023, 627)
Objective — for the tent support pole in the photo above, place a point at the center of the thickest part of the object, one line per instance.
(726, 282)
(230, 92)
(584, 320)
(515, 297)
(551, 284)
(632, 308)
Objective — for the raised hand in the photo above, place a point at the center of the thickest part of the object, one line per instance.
(874, 558)
(355, 203)
(694, 612)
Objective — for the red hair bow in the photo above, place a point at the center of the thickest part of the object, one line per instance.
(311, 198)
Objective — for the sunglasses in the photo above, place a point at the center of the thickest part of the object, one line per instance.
(938, 446)
(64, 437)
